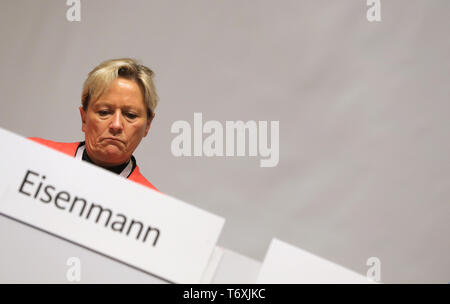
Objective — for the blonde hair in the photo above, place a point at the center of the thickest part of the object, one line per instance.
(101, 76)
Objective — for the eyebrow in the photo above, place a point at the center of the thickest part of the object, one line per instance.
(110, 105)
(102, 103)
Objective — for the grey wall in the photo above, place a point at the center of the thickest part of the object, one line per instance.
(363, 108)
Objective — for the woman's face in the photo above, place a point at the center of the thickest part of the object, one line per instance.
(115, 123)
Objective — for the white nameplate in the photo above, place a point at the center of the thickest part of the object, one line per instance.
(104, 212)
(287, 264)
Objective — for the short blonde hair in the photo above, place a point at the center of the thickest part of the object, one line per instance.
(101, 76)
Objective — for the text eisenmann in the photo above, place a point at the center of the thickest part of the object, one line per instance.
(63, 200)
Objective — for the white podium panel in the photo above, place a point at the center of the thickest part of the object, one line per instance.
(30, 255)
(285, 263)
(235, 268)
(103, 212)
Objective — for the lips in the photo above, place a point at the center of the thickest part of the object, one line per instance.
(113, 139)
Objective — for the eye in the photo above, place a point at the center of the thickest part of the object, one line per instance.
(131, 115)
(103, 112)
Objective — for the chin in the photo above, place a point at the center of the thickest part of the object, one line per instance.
(115, 157)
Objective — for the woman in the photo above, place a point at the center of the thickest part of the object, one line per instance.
(118, 103)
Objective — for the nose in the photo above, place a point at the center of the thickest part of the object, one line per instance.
(116, 125)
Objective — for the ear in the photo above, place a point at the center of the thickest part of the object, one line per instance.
(83, 119)
(149, 122)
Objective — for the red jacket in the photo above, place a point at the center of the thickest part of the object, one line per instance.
(71, 149)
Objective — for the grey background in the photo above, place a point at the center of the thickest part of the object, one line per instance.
(363, 110)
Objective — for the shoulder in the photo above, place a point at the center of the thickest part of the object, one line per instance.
(71, 148)
(67, 148)
(137, 177)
